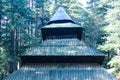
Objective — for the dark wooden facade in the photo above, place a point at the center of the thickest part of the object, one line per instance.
(61, 32)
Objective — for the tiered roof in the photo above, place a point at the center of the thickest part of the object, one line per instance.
(62, 55)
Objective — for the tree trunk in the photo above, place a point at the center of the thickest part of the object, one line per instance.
(12, 51)
(32, 4)
(42, 21)
(36, 27)
(16, 42)
(12, 43)
(20, 39)
(0, 21)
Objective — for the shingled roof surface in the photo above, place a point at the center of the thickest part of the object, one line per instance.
(60, 14)
(61, 72)
(63, 47)
(57, 25)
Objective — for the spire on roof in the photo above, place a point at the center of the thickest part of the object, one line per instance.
(61, 2)
(60, 17)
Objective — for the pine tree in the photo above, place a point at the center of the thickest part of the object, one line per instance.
(112, 38)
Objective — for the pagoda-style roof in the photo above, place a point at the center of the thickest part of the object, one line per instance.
(62, 51)
(60, 17)
(61, 72)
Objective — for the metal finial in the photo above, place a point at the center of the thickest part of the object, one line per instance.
(61, 3)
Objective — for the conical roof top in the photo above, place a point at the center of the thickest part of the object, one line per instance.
(60, 16)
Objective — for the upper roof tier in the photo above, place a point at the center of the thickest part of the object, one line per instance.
(61, 26)
(60, 17)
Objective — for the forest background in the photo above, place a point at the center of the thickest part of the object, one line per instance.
(21, 20)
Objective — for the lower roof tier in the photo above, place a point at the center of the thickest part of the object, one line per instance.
(61, 72)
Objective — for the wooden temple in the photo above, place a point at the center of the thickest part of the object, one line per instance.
(61, 55)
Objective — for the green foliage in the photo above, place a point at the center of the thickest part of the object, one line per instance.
(112, 30)
(115, 63)
(73, 8)
(102, 29)
(94, 22)
(112, 34)
(15, 37)
(3, 62)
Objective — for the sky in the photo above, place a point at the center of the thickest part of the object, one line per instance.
(83, 2)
